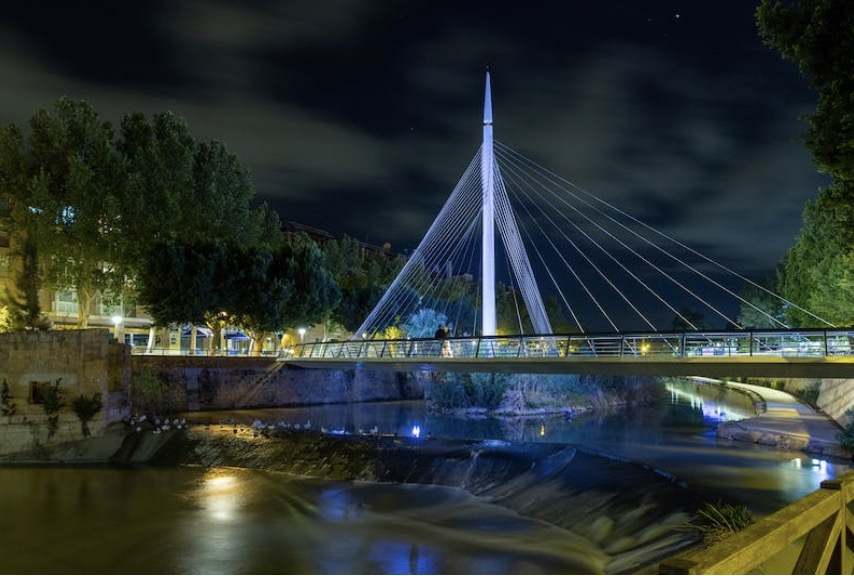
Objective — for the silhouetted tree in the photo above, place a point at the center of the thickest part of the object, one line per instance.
(763, 308)
(817, 273)
(688, 320)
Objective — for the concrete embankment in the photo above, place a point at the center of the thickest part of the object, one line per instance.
(783, 421)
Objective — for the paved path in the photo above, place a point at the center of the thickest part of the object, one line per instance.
(786, 422)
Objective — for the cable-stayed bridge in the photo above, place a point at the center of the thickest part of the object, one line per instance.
(588, 287)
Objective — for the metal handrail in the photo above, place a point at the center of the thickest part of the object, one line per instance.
(744, 343)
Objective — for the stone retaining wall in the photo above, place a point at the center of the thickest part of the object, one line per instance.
(84, 362)
(88, 362)
(193, 384)
(835, 395)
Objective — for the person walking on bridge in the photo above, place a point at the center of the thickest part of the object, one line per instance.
(446, 346)
(439, 335)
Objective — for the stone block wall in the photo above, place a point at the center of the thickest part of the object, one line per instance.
(836, 397)
(85, 362)
(206, 383)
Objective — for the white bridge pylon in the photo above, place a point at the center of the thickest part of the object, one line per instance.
(445, 252)
(497, 203)
(606, 269)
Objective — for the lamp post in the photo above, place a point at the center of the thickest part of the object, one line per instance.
(301, 335)
(117, 323)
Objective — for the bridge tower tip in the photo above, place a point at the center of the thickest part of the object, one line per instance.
(487, 101)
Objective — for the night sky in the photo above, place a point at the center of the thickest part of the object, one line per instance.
(359, 116)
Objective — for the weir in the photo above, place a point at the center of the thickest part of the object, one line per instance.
(614, 516)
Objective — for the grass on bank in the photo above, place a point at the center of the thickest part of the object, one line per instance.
(717, 521)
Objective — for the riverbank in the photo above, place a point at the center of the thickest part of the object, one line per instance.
(782, 421)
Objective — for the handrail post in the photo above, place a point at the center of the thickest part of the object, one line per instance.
(842, 485)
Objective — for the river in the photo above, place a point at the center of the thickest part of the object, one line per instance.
(230, 520)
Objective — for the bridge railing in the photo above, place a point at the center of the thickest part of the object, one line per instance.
(808, 343)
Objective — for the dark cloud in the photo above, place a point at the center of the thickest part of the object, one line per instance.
(99, 42)
(359, 116)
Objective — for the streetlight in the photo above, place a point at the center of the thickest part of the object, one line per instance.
(117, 320)
(301, 335)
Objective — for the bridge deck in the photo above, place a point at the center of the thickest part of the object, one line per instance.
(769, 367)
(778, 354)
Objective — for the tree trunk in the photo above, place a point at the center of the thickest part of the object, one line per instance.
(258, 343)
(216, 338)
(84, 304)
(152, 335)
(165, 345)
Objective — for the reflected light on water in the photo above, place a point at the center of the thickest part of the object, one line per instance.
(220, 495)
(699, 399)
(818, 467)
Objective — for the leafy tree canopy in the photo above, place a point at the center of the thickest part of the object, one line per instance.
(817, 36)
(362, 277)
(95, 203)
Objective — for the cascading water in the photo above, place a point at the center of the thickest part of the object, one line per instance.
(613, 515)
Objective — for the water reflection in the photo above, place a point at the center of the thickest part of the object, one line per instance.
(233, 521)
(220, 494)
(717, 404)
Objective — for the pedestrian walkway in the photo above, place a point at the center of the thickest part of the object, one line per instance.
(786, 422)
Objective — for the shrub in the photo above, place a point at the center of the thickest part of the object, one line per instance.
(810, 394)
(146, 394)
(86, 408)
(719, 521)
(460, 391)
(7, 408)
(486, 390)
(52, 403)
(846, 437)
